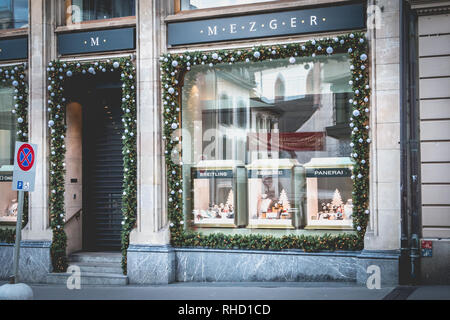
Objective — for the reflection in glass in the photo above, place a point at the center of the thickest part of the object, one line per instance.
(203, 4)
(13, 14)
(8, 197)
(276, 118)
(86, 10)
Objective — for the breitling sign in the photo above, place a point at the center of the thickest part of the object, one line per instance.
(344, 17)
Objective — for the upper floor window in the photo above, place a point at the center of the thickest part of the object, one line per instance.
(13, 14)
(203, 4)
(88, 10)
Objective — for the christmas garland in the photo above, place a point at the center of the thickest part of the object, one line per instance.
(58, 72)
(15, 76)
(175, 66)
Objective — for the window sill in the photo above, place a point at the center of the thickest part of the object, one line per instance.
(246, 9)
(10, 33)
(98, 24)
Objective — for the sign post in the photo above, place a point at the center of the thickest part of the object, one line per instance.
(23, 180)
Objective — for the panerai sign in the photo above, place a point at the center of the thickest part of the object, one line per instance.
(344, 17)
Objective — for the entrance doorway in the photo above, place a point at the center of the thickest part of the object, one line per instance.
(102, 162)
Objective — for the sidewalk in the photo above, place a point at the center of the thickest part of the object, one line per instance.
(233, 291)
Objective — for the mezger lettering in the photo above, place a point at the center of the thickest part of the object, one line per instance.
(253, 26)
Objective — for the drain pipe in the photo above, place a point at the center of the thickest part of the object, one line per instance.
(404, 241)
(410, 152)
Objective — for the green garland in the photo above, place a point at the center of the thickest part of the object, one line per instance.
(174, 67)
(58, 72)
(15, 76)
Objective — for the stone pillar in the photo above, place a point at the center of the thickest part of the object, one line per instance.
(150, 259)
(35, 260)
(382, 240)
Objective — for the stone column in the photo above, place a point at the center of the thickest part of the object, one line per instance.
(35, 260)
(382, 240)
(150, 257)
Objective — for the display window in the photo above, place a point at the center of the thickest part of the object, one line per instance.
(277, 120)
(215, 193)
(8, 197)
(13, 14)
(78, 11)
(329, 193)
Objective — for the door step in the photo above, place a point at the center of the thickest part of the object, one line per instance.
(96, 257)
(88, 278)
(97, 268)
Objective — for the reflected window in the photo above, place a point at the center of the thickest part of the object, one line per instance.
(203, 4)
(13, 14)
(87, 10)
(280, 129)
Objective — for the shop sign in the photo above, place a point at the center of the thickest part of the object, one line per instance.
(287, 141)
(14, 49)
(6, 177)
(344, 17)
(212, 174)
(96, 41)
(262, 173)
(328, 172)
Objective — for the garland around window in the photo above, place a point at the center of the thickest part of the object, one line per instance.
(174, 66)
(15, 76)
(58, 72)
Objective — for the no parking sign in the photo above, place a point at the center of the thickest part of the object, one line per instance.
(24, 167)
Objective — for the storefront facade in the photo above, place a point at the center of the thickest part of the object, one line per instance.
(206, 144)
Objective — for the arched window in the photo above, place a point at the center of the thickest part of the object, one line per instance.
(279, 88)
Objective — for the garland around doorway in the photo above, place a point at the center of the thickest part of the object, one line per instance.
(58, 72)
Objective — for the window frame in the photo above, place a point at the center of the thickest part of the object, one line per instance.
(65, 22)
(14, 32)
(177, 5)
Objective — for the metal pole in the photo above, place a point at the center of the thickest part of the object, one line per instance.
(15, 277)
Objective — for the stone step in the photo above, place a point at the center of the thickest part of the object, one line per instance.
(96, 257)
(87, 278)
(98, 267)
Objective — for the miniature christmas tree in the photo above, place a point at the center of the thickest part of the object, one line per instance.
(230, 199)
(337, 199)
(284, 200)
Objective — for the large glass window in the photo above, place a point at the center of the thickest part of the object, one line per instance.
(267, 144)
(13, 14)
(87, 10)
(8, 197)
(203, 4)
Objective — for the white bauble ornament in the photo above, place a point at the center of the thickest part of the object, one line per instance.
(174, 63)
(356, 113)
(174, 126)
(363, 57)
(330, 50)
